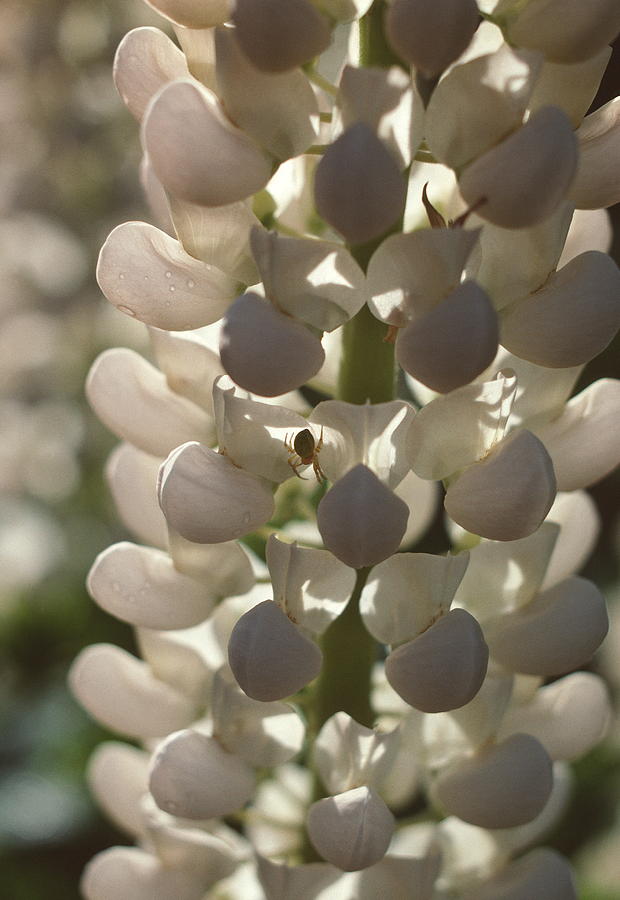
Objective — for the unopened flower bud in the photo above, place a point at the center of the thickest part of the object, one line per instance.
(351, 830)
(192, 776)
(361, 520)
(277, 35)
(571, 318)
(522, 180)
(555, 633)
(444, 667)
(265, 351)
(207, 499)
(506, 495)
(566, 31)
(183, 119)
(358, 187)
(502, 786)
(270, 657)
(430, 34)
(451, 345)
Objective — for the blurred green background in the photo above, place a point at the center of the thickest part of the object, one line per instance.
(68, 173)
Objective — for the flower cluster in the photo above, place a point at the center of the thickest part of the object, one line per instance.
(345, 190)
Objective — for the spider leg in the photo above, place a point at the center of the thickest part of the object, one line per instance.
(295, 465)
(320, 442)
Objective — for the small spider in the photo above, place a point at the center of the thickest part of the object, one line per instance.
(304, 452)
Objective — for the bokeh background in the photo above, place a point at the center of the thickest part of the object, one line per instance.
(68, 173)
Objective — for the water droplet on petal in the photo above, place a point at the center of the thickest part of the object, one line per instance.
(127, 311)
(191, 283)
(168, 274)
(121, 275)
(172, 288)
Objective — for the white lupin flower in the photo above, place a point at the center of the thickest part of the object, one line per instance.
(208, 499)
(285, 357)
(120, 382)
(192, 776)
(358, 186)
(522, 180)
(352, 830)
(146, 60)
(149, 276)
(198, 121)
(293, 188)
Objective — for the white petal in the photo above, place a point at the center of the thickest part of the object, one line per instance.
(265, 351)
(507, 495)
(193, 13)
(207, 499)
(312, 586)
(458, 428)
(361, 521)
(422, 498)
(347, 754)
(590, 229)
(478, 104)
(580, 525)
(121, 692)
(430, 36)
(279, 111)
(278, 35)
(192, 776)
(541, 873)
(252, 434)
(454, 343)
(405, 594)
(223, 569)
(132, 479)
(372, 434)
(584, 29)
(351, 830)
(558, 631)
(217, 235)
(584, 442)
(444, 667)
(511, 264)
(197, 154)
(140, 585)
(263, 734)
(596, 184)
(270, 657)
(129, 873)
(148, 275)
(571, 86)
(568, 717)
(132, 398)
(175, 658)
(358, 186)
(118, 778)
(571, 319)
(504, 575)
(155, 195)
(317, 282)
(522, 180)
(306, 880)
(189, 365)
(502, 786)
(146, 60)
(409, 274)
(385, 101)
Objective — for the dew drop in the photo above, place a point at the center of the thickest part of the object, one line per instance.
(168, 304)
(127, 311)
(146, 277)
(172, 288)
(191, 283)
(121, 275)
(168, 274)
